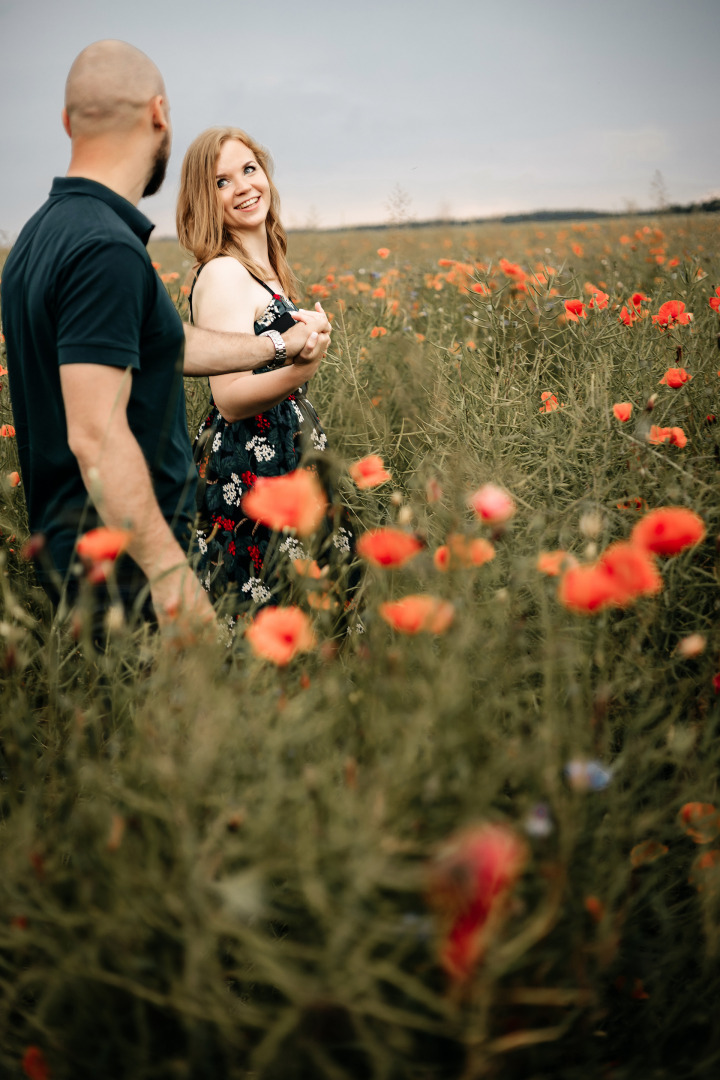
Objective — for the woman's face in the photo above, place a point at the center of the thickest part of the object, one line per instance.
(243, 187)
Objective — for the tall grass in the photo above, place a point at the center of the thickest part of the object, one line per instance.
(212, 868)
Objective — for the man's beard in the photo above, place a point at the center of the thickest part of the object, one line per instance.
(159, 167)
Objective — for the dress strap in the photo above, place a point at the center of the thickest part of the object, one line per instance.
(197, 275)
(264, 285)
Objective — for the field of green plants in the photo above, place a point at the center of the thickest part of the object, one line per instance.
(480, 838)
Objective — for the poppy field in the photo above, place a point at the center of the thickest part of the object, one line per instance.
(467, 826)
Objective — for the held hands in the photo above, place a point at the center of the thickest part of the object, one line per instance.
(308, 341)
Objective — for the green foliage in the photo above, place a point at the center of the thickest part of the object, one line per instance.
(212, 868)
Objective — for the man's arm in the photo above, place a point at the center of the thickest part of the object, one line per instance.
(111, 461)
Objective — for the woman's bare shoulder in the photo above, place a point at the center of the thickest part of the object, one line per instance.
(224, 268)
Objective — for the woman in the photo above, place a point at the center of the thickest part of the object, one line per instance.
(260, 422)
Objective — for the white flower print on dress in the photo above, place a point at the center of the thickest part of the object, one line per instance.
(294, 549)
(319, 439)
(298, 411)
(201, 542)
(217, 441)
(261, 448)
(259, 592)
(341, 539)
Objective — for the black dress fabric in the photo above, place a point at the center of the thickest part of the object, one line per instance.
(241, 559)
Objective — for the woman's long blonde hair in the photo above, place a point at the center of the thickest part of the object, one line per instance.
(200, 226)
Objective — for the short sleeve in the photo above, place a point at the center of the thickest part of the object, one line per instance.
(100, 306)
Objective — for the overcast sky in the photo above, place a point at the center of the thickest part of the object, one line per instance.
(471, 107)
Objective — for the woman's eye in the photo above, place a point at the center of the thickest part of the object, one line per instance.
(221, 182)
(249, 168)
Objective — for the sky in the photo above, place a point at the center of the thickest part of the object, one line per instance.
(464, 109)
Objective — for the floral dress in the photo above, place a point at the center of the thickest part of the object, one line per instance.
(230, 457)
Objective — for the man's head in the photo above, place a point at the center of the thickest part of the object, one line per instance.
(115, 91)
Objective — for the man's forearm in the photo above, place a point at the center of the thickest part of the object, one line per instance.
(208, 352)
(119, 483)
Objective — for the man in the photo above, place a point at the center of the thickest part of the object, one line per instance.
(95, 346)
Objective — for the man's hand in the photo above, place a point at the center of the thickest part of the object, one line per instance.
(310, 327)
(180, 600)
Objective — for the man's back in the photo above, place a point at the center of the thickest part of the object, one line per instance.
(78, 287)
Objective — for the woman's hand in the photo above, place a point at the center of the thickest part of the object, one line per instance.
(315, 320)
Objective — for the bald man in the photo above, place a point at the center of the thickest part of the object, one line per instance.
(95, 346)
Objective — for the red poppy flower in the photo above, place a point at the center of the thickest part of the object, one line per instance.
(675, 436)
(672, 313)
(378, 331)
(550, 402)
(3, 371)
(293, 501)
(383, 252)
(706, 871)
(463, 551)
(417, 613)
(279, 633)
(388, 547)
(511, 270)
(575, 310)
(675, 377)
(640, 505)
(468, 883)
(13, 478)
(34, 1064)
(369, 472)
(622, 411)
(701, 821)
(637, 299)
(585, 589)
(621, 575)
(7, 431)
(626, 316)
(599, 300)
(102, 545)
(492, 504)
(553, 563)
(668, 530)
(715, 300)
(649, 851)
(632, 572)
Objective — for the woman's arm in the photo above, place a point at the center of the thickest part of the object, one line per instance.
(225, 299)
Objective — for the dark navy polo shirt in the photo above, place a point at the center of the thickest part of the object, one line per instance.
(78, 288)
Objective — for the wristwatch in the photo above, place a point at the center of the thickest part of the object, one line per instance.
(280, 350)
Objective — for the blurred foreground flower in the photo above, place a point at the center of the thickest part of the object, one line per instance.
(691, 646)
(622, 411)
(623, 573)
(388, 547)
(553, 563)
(668, 530)
(420, 612)
(369, 472)
(701, 821)
(468, 883)
(98, 550)
(492, 504)
(7, 431)
(13, 478)
(649, 851)
(715, 300)
(675, 377)
(34, 1064)
(279, 633)
(587, 775)
(293, 501)
(383, 252)
(463, 551)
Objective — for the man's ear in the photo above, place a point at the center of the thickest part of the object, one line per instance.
(66, 122)
(159, 112)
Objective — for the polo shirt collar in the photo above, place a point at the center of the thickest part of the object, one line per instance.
(78, 185)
